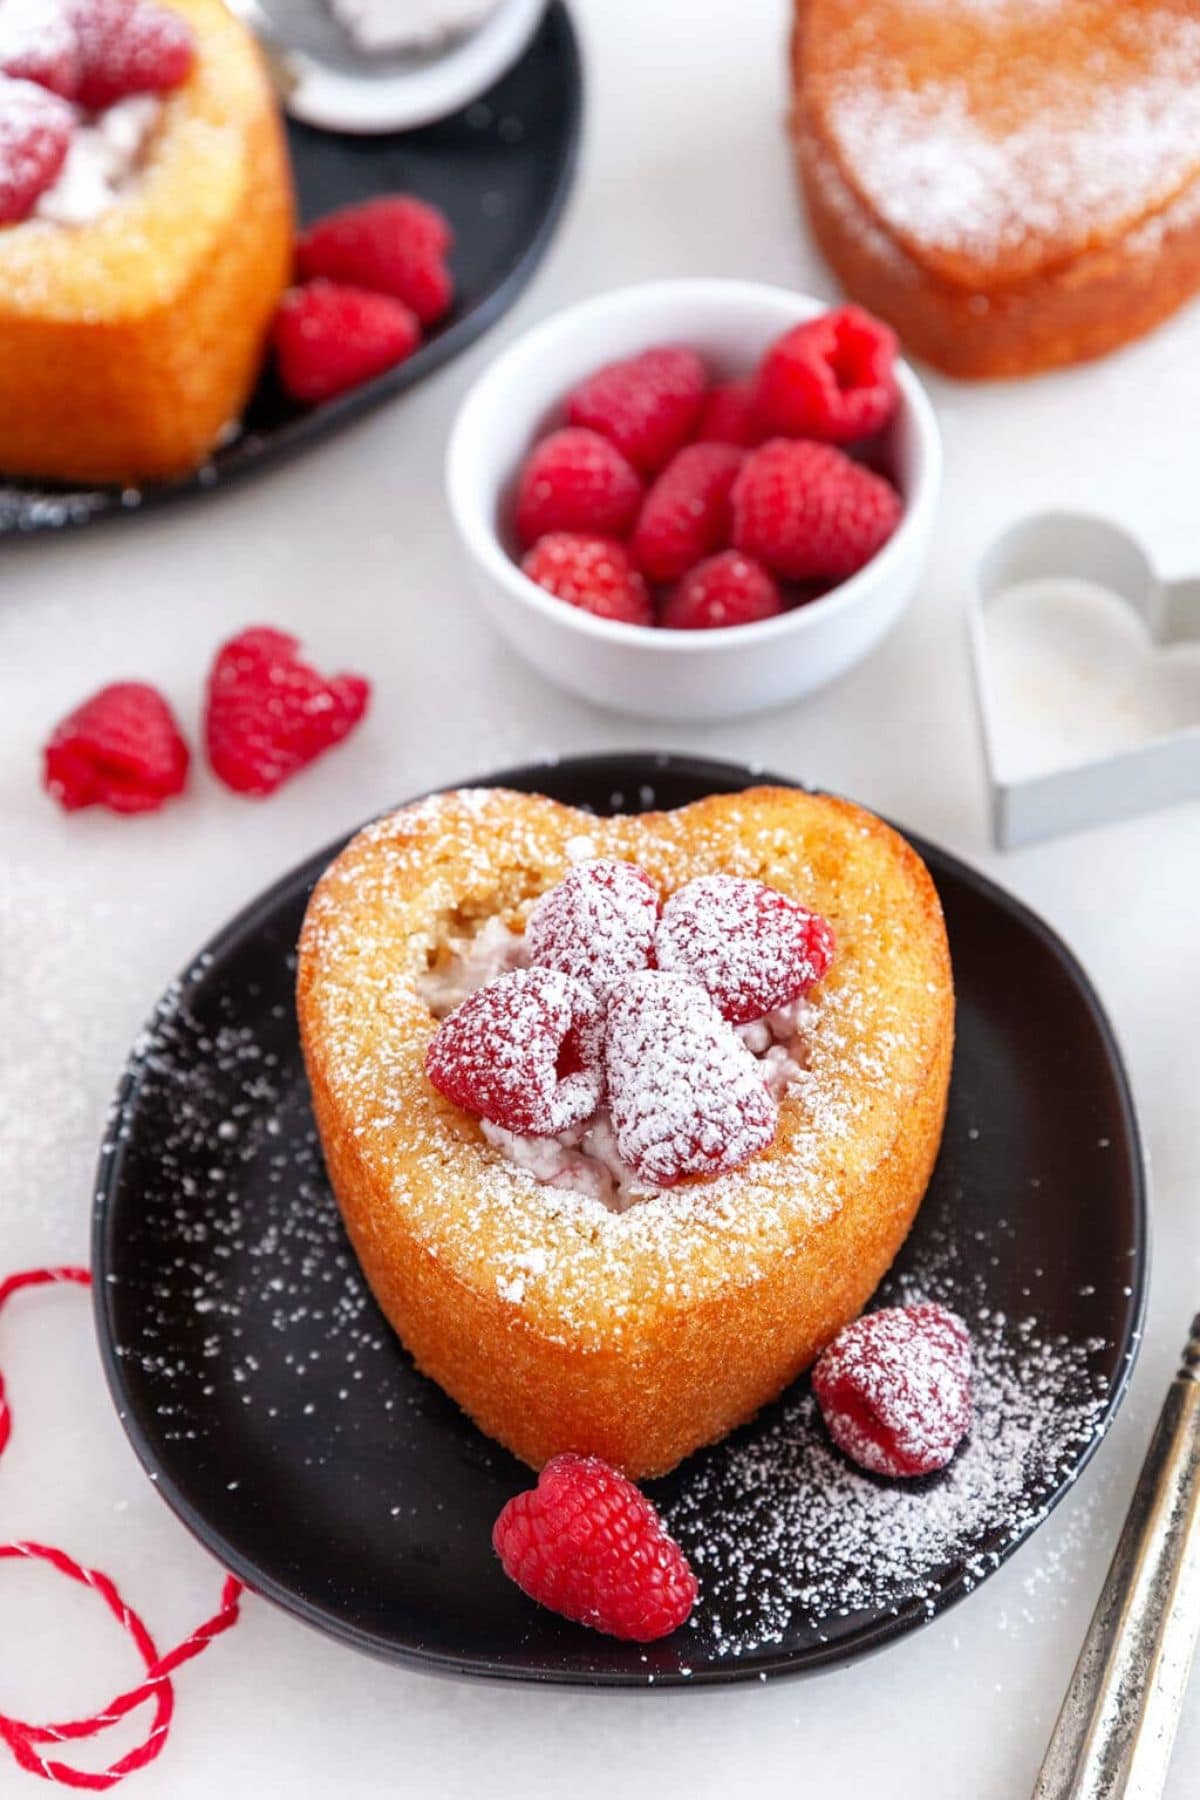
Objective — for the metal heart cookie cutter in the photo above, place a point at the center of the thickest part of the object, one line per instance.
(1162, 767)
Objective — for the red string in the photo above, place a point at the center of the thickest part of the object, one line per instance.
(22, 1738)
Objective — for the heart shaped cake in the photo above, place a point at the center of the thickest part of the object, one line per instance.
(1012, 183)
(145, 246)
(607, 1208)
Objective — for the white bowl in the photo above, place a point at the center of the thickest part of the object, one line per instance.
(665, 674)
(395, 93)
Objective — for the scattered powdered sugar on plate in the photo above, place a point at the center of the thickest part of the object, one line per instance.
(782, 1529)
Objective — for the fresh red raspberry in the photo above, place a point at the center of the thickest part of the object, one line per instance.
(894, 1389)
(832, 378)
(686, 1095)
(598, 924)
(35, 133)
(574, 480)
(268, 714)
(730, 415)
(588, 1544)
(329, 339)
(751, 948)
(729, 589)
(129, 47)
(524, 1052)
(121, 749)
(394, 245)
(648, 405)
(809, 513)
(594, 574)
(38, 43)
(686, 515)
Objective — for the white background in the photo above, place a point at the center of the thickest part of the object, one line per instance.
(685, 170)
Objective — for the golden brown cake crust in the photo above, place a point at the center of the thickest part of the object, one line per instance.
(127, 345)
(967, 181)
(559, 1325)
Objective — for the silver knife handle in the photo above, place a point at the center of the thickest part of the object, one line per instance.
(1117, 1725)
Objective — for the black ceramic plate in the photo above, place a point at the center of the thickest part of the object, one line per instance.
(500, 169)
(286, 1426)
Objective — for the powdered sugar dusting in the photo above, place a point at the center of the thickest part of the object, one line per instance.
(752, 948)
(686, 1095)
(787, 1535)
(597, 924)
(894, 1389)
(1049, 131)
(431, 875)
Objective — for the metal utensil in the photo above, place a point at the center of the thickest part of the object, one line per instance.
(1116, 1729)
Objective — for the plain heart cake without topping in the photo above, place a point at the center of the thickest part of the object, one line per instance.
(607, 1208)
(1013, 184)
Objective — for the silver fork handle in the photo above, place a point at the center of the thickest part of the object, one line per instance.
(1116, 1729)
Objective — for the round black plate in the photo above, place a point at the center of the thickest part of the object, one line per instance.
(286, 1426)
(500, 170)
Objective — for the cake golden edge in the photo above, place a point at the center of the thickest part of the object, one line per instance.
(669, 1326)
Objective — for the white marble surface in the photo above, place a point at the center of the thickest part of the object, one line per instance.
(684, 170)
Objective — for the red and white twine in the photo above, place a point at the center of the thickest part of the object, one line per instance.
(26, 1741)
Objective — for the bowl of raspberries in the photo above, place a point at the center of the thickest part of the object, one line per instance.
(693, 499)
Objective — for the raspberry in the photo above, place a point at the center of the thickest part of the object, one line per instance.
(394, 245)
(35, 133)
(594, 574)
(329, 339)
(648, 405)
(809, 513)
(894, 1388)
(832, 378)
(750, 947)
(38, 43)
(523, 1052)
(575, 480)
(729, 589)
(730, 416)
(268, 714)
(121, 749)
(598, 924)
(588, 1544)
(686, 1095)
(129, 47)
(686, 514)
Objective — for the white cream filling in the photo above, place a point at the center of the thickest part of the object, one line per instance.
(104, 159)
(585, 1160)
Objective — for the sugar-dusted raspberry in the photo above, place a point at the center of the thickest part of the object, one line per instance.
(35, 134)
(524, 1052)
(38, 43)
(730, 415)
(129, 47)
(750, 947)
(329, 339)
(894, 1389)
(809, 513)
(727, 589)
(588, 1544)
(575, 480)
(394, 244)
(832, 378)
(686, 1095)
(268, 714)
(594, 574)
(647, 405)
(598, 924)
(686, 515)
(121, 749)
